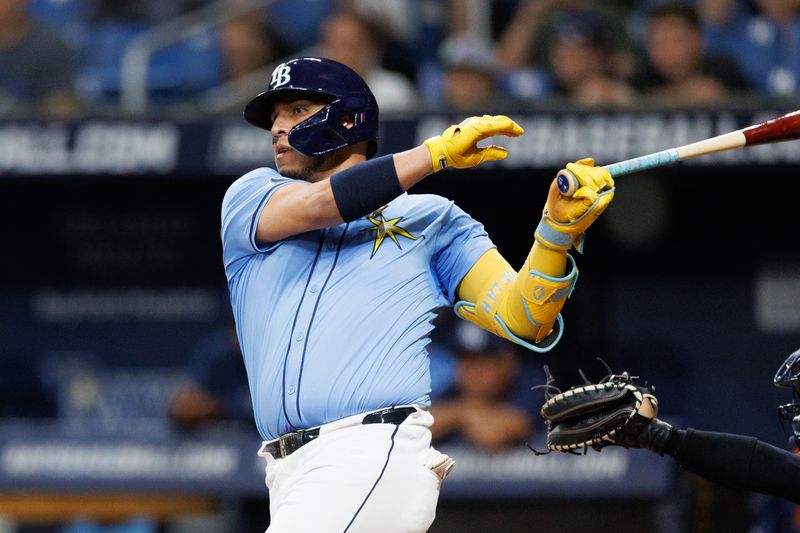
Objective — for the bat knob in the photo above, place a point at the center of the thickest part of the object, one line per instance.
(567, 182)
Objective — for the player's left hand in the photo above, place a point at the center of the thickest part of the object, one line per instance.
(572, 215)
(458, 147)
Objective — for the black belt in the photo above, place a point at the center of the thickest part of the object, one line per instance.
(290, 442)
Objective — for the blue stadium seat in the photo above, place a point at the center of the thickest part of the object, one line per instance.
(187, 68)
(68, 17)
(176, 72)
(58, 12)
(297, 22)
(134, 525)
(100, 60)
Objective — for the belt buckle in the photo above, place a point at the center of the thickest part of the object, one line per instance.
(282, 440)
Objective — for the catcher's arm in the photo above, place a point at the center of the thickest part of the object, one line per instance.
(523, 306)
(737, 461)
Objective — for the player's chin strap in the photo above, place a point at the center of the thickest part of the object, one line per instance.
(528, 303)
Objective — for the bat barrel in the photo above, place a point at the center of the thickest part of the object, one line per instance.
(783, 128)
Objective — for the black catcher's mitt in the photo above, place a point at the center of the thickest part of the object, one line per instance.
(596, 414)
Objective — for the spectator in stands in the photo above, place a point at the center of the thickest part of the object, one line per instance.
(488, 405)
(400, 24)
(349, 38)
(572, 49)
(526, 39)
(718, 12)
(580, 60)
(218, 391)
(469, 76)
(676, 69)
(766, 46)
(249, 45)
(36, 65)
(250, 49)
(218, 386)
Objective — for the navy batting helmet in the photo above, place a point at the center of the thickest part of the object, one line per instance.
(346, 94)
(788, 375)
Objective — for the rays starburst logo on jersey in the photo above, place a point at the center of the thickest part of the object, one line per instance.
(386, 228)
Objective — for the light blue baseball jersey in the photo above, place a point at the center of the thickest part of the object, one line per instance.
(335, 322)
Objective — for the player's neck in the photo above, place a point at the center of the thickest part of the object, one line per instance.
(327, 170)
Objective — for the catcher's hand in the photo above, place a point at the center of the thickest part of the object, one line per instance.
(458, 147)
(615, 411)
(566, 218)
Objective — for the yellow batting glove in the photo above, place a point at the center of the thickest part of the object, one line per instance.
(458, 147)
(566, 218)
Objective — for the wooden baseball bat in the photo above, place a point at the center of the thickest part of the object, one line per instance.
(783, 128)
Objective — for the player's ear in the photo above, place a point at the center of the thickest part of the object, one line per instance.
(347, 121)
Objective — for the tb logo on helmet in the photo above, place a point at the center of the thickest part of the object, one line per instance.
(280, 76)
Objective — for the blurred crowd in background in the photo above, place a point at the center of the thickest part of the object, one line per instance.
(74, 57)
(194, 59)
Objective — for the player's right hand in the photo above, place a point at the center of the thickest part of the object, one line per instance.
(593, 182)
(458, 147)
(571, 216)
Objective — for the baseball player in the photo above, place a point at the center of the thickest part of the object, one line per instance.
(335, 274)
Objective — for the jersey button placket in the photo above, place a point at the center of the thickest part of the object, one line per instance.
(332, 240)
(305, 318)
(294, 376)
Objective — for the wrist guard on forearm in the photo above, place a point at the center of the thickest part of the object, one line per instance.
(523, 307)
(556, 235)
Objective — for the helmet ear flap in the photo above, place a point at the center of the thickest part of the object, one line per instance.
(326, 131)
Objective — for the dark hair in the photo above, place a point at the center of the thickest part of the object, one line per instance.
(369, 24)
(588, 27)
(684, 11)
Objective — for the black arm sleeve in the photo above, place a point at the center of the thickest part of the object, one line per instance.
(739, 462)
(363, 188)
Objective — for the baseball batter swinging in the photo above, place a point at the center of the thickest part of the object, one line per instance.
(335, 274)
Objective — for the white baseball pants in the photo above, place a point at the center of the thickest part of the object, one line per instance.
(359, 478)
